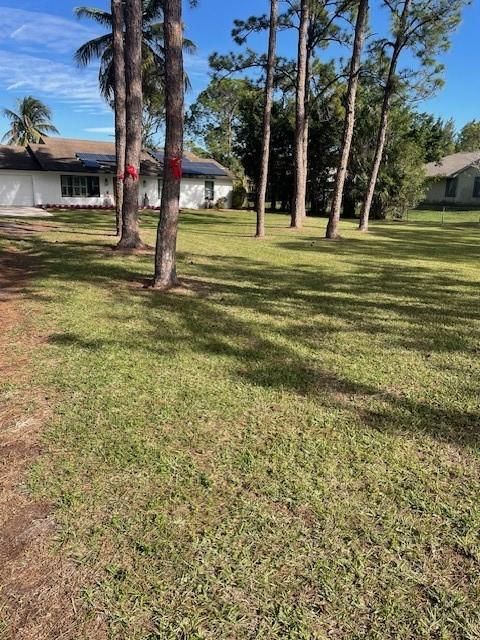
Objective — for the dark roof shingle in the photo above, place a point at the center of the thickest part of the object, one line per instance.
(17, 158)
(60, 154)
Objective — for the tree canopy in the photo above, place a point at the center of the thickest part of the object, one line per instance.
(469, 137)
(31, 120)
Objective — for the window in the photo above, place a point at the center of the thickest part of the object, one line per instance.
(476, 188)
(451, 188)
(160, 188)
(209, 190)
(80, 186)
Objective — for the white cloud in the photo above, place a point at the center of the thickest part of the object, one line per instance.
(109, 130)
(196, 65)
(47, 79)
(29, 30)
(198, 71)
(36, 56)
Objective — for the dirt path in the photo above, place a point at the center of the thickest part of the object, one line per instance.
(38, 587)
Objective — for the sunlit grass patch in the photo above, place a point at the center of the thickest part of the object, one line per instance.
(291, 451)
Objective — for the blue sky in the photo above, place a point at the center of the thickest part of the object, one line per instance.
(38, 38)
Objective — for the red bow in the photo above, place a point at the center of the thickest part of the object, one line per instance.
(175, 165)
(132, 172)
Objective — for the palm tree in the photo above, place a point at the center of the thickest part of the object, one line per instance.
(29, 123)
(153, 54)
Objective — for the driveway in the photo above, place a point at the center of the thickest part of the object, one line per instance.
(23, 212)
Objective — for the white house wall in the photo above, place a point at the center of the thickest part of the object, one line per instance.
(224, 189)
(48, 190)
(16, 189)
(192, 192)
(42, 188)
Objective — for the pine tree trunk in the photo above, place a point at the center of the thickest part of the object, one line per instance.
(306, 126)
(165, 256)
(267, 120)
(377, 161)
(299, 197)
(383, 128)
(306, 131)
(134, 103)
(119, 104)
(349, 123)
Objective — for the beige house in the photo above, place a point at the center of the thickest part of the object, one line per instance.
(455, 180)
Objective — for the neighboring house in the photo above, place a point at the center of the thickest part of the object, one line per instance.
(454, 180)
(63, 172)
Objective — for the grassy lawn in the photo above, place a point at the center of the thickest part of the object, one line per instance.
(286, 448)
(448, 217)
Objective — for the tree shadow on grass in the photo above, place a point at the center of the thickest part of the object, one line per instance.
(413, 307)
(396, 242)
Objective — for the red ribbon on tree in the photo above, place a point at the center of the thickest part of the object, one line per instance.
(132, 172)
(175, 165)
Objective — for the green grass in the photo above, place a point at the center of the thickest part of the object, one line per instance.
(448, 217)
(290, 451)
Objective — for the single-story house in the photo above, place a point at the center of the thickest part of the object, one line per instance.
(454, 180)
(62, 172)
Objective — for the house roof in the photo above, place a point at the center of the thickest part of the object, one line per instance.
(193, 166)
(88, 156)
(61, 154)
(451, 165)
(17, 158)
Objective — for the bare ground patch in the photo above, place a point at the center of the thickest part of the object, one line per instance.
(39, 588)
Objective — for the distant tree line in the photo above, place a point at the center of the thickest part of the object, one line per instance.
(232, 133)
(343, 137)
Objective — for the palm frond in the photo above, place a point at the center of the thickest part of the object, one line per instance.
(9, 137)
(154, 31)
(106, 77)
(11, 115)
(93, 49)
(33, 109)
(154, 35)
(101, 17)
(152, 9)
(29, 123)
(101, 48)
(189, 46)
(47, 128)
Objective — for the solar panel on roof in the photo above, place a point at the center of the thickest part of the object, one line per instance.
(194, 167)
(90, 164)
(205, 169)
(158, 155)
(96, 157)
(96, 160)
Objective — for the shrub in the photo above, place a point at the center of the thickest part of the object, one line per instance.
(239, 195)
